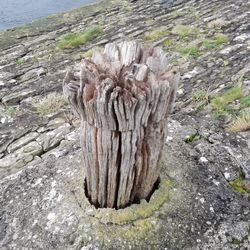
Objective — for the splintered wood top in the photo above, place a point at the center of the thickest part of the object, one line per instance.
(123, 87)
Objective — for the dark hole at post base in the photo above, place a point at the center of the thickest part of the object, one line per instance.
(134, 201)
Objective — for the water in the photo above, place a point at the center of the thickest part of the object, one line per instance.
(17, 12)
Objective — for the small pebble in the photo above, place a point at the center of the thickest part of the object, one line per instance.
(203, 160)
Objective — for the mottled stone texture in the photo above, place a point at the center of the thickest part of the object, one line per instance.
(43, 206)
(123, 97)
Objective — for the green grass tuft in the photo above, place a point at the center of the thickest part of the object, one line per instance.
(12, 111)
(157, 35)
(236, 242)
(193, 137)
(245, 101)
(218, 40)
(176, 13)
(184, 31)
(21, 61)
(220, 103)
(221, 39)
(76, 40)
(240, 186)
(168, 42)
(200, 95)
(241, 123)
(209, 44)
(190, 51)
(50, 104)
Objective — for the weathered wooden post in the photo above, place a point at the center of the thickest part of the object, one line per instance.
(123, 97)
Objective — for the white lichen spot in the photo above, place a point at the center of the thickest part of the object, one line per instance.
(87, 247)
(34, 223)
(71, 136)
(242, 37)
(180, 92)
(59, 197)
(51, 216)
(227, 175)
(203, 160)
(58, 153)
(15, 236)
(192, 73)
(169, 138)
(217, 183)
(52, 194)
(202, 200)
(53, 183)
(230, 49)
(4, 120)
(211, 209)
(56, 229)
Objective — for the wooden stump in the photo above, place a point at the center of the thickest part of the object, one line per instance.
(123, 97)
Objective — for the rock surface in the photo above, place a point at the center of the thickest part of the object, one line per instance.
(42, 202)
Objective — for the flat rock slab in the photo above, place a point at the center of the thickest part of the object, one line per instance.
(44, 206)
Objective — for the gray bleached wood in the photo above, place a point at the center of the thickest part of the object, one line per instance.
(123, 97)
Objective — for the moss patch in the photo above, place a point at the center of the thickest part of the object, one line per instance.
(136, 212)
(134, 226)
(140, 228)
(73, 40)
(236, 242)
(139, 235)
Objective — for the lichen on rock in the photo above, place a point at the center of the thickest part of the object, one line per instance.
(42, 200)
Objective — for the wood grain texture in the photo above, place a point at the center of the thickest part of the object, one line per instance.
(123, 97)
